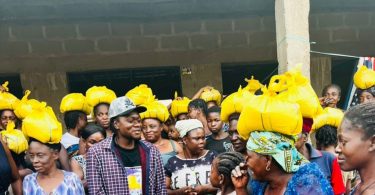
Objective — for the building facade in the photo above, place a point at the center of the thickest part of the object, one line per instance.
(57, 47)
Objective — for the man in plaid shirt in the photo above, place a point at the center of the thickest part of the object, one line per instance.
(123, 164)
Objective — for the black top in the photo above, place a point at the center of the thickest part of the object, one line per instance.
(5, 171)
(219, 146)
(130, 158)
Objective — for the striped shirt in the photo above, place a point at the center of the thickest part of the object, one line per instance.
(107, 175)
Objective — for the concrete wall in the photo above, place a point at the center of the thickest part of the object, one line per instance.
(42, 40)
(201, 75)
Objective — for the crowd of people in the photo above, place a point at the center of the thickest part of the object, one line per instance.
(274, 139)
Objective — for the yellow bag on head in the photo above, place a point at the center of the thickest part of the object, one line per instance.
(329, 116)
(7, 100)
(155, 110)
(96, 95)
(141, 94)
(268, 112)
(75, 101)
(14, 138)
(209, 95)
(43, 126)
(26, 106)
(179, 106)
(252, 85)
(234, 103)
(364, 78)
(295, 87)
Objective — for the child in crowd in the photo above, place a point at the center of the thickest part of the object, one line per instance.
(221, 176)
(219, 140)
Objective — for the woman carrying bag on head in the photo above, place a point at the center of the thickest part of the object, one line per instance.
(152, 128)
(45, 132)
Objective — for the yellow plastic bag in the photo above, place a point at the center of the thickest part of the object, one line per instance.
(268, 112)
(235, 102)
(209, 95)
(364, 78)
(14, 138)
(329, 116)
(96, 95)
(179, 106)
(43, 126)
(295, 87)
(26, 106)
(252, 85)
(75, 101)
(141, 94)
(155, 110)
(7, 100)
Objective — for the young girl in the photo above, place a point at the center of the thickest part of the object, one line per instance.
(356, 148)
(221, 169)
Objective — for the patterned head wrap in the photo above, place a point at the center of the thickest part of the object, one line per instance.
(279, 146)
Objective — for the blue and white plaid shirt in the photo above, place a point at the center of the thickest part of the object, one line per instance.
(107, 175)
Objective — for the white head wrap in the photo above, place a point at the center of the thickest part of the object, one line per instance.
(184, 126)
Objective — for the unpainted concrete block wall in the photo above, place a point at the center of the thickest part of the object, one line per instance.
(40, 37)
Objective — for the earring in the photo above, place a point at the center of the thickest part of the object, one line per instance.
(268, 167)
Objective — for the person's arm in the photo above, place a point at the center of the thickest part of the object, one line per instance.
(160, 186)
(181, 191)
(178, 147)
(23, 172)
(336, 178)
(205, 189)
(348, 182)
(78, 187)
(348, 186)
(82, 147)
(16, 179)
(241, 192)
(240, 179)
(93, 174)
(76, 168)
(200, 91)
(64, 159)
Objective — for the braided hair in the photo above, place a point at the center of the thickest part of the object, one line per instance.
(228, 161)
(326, 136)
(363, 116)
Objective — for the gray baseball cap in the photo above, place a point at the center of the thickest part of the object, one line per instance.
(122, 106)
